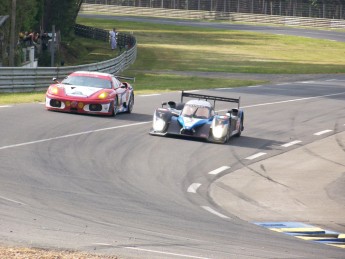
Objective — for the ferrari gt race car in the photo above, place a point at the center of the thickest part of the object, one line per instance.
(90, 92)
(197, 118)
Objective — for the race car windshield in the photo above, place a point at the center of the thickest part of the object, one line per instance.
(198, 112)
(87, 81)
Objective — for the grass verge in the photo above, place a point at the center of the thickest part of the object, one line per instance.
(163, 48)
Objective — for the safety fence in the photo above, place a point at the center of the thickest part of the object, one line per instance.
(299, 8)
(17, 79)
(124, 41)
(214, 15)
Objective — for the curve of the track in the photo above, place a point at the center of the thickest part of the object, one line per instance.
(105, 185)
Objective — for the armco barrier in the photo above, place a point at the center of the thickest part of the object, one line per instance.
(18, 79)
(213, 15)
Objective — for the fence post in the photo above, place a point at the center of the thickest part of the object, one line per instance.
(52, 47)
(341, 12)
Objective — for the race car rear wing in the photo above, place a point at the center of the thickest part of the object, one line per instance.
(210, 97)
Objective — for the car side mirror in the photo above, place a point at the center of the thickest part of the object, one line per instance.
(55, 80)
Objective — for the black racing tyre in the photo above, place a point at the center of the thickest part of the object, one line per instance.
(240, 129)
(227, 137)
(115, 106)
(130, 103)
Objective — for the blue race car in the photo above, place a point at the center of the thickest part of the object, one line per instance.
(197, 118)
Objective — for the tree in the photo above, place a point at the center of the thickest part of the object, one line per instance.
(25, 20)
(26, 13)
(62, 14)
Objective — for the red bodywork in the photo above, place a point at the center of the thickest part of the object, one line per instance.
(83, 97)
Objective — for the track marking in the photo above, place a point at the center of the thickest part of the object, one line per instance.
(219, 170)
(253, 86)
(102, 244)
(72, 135)
(293, 100)
(193, 187)
(288, 101)
(214, 212)
(223, 88)
(147, 95)
(256, 155)
(322, 132)
(165, 253)
(306, 82)
(14, 201)
(291, 143)
(5, 106)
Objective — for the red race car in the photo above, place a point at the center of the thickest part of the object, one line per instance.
(90, 92)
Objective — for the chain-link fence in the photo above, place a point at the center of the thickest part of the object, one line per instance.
(300, 8)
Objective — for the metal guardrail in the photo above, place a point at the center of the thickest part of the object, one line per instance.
(18, 79)
(214, 15)
(331, 9)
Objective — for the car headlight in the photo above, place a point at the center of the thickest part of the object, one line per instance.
(53, 90)
(218, 129)
(158, 123)
(103, 95)
(218, 132)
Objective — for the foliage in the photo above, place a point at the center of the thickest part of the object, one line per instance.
(62, 14)
(40, 16)
(26, 13)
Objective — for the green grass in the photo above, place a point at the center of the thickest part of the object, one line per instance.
(168, 47)
(14, 98)
(148, 82)
(164, 48)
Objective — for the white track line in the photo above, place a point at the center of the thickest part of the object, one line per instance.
(288, 101)
(223, 88)
(293, 100)
(291, 143)
(214, 212)
(322, 132)
(72, 135)
(219, 170)
(147, 95)
(256, 155)
(5, 106)
(165, 253)
(193, 187)
(306, 82)
(14, 201)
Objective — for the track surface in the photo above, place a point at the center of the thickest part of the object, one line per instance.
(105, 185)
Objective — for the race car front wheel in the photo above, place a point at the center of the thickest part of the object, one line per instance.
(227, 136)
(115, 106)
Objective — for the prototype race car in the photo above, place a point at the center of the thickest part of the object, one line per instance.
(90, 92)
(197, 118)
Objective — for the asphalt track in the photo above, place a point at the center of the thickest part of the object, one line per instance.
(104, 185)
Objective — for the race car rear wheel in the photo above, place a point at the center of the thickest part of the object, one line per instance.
(130, 103)
(240, 128)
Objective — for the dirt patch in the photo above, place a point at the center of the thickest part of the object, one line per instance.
(34, 253)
